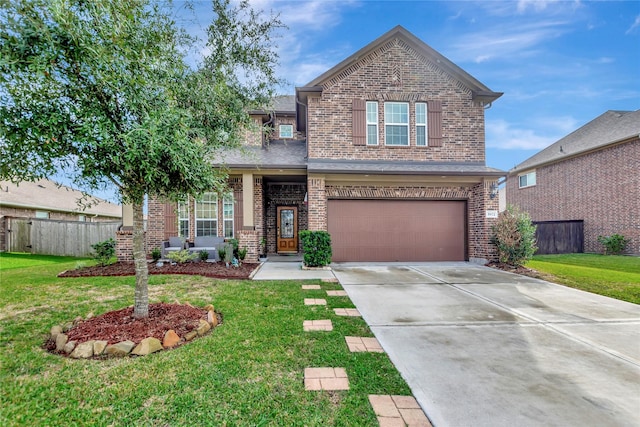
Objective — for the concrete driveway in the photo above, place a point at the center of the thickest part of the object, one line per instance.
(482, 347)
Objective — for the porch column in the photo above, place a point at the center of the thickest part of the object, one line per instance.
(127, 217)
(317, 203)
(247, 200)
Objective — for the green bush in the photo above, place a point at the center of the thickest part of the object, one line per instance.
(613, 244)
(317, 248)
(242, 253)
(104, 252)
(204, 255)
(181, 256)
(156, 254)
(514, 236)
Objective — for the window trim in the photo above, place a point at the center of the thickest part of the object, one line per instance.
(281, 133)
(228, 200)
(373, 122)
(214, 203)
(388, 123)
(527, 176)
(42, 215)
(423, 125)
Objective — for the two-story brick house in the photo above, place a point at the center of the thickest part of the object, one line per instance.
(385, 151)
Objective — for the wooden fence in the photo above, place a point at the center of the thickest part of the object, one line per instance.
(52, 237)
(560, 237)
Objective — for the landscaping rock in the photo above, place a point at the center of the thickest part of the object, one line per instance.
(77, 320)
(147, 346)
(120, 349)
(83, 350)
(55, 330)
(208, 307)
(99, 347)
(67, 326)
(203, 328)
(171, 339)
(61, 341)
(69, 346)
(191, 335)
(212, 318)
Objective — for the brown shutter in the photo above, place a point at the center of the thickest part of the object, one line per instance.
(359, 122)
(170, 220)
(434, 123)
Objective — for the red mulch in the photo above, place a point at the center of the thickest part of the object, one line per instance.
(512, 269)
(206, 269)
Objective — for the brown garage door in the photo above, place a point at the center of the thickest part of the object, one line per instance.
(390, 230)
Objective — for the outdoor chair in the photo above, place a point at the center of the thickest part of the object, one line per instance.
(206, 243)
(172, 245)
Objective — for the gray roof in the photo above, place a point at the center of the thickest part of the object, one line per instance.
(609, 128)
(47, 195)
(278, 154)
(402, 168)
(284, 103)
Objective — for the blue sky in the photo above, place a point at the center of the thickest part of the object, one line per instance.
(560, 64)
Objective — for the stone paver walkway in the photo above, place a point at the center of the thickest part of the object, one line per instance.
(317, 325)
(325, 379)
(400, 411)
(351, 312)
(315, 301)
(337, 293)
(363, 344)
(309, 287)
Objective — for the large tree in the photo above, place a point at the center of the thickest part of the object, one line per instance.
(100, 90)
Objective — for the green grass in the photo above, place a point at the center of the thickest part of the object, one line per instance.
(609, 275)
(248, 371)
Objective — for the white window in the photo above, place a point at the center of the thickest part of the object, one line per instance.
(421, 124)
(207, 215)
(183, 219)
(527, 180)
(82, 218)
(227, 214)
(372, 123)
(396, 123)
(286, 131)
(42, 214)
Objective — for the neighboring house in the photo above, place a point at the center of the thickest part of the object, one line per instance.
(592, 174)
(46, 199)
(385, 151)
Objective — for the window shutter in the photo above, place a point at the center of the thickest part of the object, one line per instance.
(434, 123)
(170, 220)
(359, 122)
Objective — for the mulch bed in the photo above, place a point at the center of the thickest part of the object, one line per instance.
(518, 270)
(206, 269)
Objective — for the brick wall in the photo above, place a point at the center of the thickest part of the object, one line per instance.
(249, 239)
(417, 80)
(480, 248)
(602, 188)
(317, 202)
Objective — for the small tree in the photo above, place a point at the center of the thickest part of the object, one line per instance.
(317, 248)
(100, 90)
(104, 252)
(514, 236)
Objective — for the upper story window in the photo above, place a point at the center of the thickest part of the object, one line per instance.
(207, 215)
(42, 214)
(527, 179)
(183, 219)
(421, 124)
(286, 131)
(82, 218)
(396, 123)
(372, 123)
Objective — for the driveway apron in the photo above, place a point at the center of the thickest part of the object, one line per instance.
(483, 347)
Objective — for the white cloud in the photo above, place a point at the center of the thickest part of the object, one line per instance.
(633, 26)
(503, 135)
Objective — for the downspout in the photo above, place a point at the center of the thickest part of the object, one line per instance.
(307, 124)
(271, 120)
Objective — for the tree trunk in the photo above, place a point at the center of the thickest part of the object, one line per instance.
(141, 298)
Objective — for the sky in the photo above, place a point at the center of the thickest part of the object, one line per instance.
(560, 64)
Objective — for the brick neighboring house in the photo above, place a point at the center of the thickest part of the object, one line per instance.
(592, 174)
(386, 151)
(45, 199)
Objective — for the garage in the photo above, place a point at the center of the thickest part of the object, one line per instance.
(397, 230)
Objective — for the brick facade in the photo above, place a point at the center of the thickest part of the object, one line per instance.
(283, 195)
(602, 188)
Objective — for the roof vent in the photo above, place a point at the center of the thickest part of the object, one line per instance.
(41, 186)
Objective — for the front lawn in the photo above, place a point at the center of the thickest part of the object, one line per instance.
(609, 275)
(248, 371)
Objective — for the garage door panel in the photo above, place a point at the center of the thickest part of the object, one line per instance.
(391, 230)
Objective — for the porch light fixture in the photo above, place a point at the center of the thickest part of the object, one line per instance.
(493, 191)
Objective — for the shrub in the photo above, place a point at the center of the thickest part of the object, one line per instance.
(156, 254)
(514, 236)
(181, 256)
(222, 252)
(613, 244)
(235, 244)
(242, 253)
(317, 248)
(104, 252)
(204, 255)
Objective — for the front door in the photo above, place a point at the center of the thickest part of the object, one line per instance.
(287, 241)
